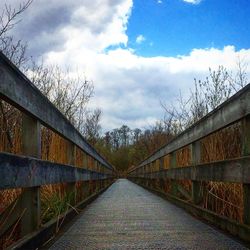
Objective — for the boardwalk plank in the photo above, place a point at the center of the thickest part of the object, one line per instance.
(127, 216)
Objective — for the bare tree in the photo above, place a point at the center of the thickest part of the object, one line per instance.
(16, 52)
(216, 87)
(69, 93)
(177, 116)
(9, 16)
(14, 49)
(239, 80)
(42, 77)
(91, 127)
(208, 94)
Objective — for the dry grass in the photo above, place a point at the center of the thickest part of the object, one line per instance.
(80, 194)
(10, 129)
(11, 236)
(166, 161)
(10, 141)
(80, 157)
(54, 147)
(223, 198)
(54, 198)
(167, 186)
(183, 157)
(7, 197)
(187, 184)
(54, 201)
(224, 144)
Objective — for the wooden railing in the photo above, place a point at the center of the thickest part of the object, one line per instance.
(162, 167)
(29, 172)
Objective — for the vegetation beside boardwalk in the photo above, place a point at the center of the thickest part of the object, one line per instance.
(123, 147)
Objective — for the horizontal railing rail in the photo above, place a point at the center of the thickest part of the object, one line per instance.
(233, 170)
(234, 109)
(18, 90)
(82, 176)
(21, 172)
(163, 168)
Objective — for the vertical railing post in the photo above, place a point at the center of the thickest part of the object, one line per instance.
(153, 179)
(195, 148)
(101, 172)
(86, 189)
(30, 197)
(246, 152)
(173, 164)
(71, 186)
(161, 169)
(85, 161)
(150, 176)
(86, 183)
(97, 170)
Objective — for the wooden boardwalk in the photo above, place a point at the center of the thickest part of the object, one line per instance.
(127, 216)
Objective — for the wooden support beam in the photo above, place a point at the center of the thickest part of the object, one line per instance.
(246, 152)
(85, 161)
(162, 181)
(161, 163)
(15, 172)
(71, 186)
(30, 197)
(246, 201)
(18, 90)
(173, 164)
(197, 192)
(232, 110)
(85, 188)
(233, 170)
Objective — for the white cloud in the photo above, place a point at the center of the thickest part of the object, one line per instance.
(128, 87)
(159, 1)
(140, 39)
(63, 24)
(192, 1)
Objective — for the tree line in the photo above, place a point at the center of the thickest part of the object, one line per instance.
(125, 147)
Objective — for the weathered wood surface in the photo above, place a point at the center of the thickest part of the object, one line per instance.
(17, 89)
(232, 110)
(50, 229)
(29, 199)
(226, 224)
(19, 171)
(127, 216)
(235, 170)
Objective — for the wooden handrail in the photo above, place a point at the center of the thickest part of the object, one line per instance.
(234, 109)
(18, 90)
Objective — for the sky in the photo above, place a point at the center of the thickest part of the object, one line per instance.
(138, 53)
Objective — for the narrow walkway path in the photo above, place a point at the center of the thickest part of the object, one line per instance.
(127, 216)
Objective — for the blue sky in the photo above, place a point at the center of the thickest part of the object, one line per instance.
(175, 27)
(138, 53)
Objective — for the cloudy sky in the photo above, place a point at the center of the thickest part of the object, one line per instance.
(137, 52)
